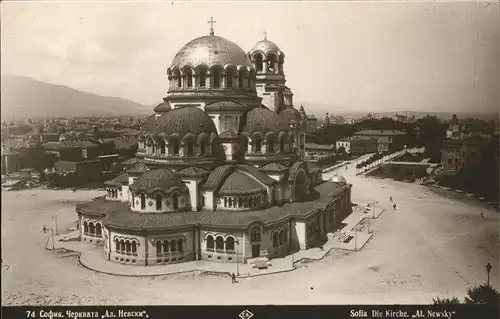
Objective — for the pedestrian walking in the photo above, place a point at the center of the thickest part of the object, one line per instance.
(394, 206)
(233, 278)
(482, 215)
(44, 229)
(390, 198)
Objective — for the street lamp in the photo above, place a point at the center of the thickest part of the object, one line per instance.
(57, 228)
(488, 269)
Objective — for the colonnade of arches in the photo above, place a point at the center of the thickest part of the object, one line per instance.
(169, 246)
(215, 77)
(280, 237)
(189, 145)
(218, 243)
(272, 62)
(93, 229)
(126, 246)
(268, 144)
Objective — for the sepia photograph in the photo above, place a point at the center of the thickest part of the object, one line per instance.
(288, 153)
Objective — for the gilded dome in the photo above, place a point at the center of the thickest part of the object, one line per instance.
(338, 179)
(261, 119)
(210, 50)
(184, 120)
(266, 46)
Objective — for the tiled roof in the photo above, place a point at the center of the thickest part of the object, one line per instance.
(158, 180)
(119, 215)
(255, 172)
(118, 180)
(224, 106)
(215, 178)
(131, 161)
(380, 132)
(69, 144)
(138, 168)
(261, 119)
(274, 167)
(238, 183)
(193, 171)
(184, 120)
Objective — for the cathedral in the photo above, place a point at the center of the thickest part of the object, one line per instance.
(221, 174)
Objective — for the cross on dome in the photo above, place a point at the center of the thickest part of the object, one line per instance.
(265, 35)
(211, 22)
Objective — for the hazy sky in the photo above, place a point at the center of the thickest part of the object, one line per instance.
(359, 56)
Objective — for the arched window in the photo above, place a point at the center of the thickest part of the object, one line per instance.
(255, 234)
(158, 247)
(175, 200)
(173, 246)
(122, 246)
(134, 247)
(174, 147)
(230, 73)
(230, 243)
(286, 235)
(129, 248)
(272, 63)
(216, 74)
(190, 148)
(133, 200)
(203, 147)
(166, 246)
(177, 76)
(270, 146)
(257, 145)
(98, 230)
(188, 75)
(282, 144)
(282, 237)
(230, 202)
(219, 243)
(85, 227)
(161, 145)
(258, 62)
(202, 78)
(179, 245)
(251, 202)
(275, 239)
(117, 245)
(210, 242)
(240, 202)
(241, 79)
(143, 201)
(92, 229)
(158, 201)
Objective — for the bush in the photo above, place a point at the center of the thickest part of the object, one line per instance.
(445, 301)
(482, 294)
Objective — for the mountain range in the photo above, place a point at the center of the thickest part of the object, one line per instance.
(23, 97)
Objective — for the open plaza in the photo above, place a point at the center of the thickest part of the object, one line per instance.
(434, 243)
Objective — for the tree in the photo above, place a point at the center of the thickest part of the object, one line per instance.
(445, 301)
(482, 294)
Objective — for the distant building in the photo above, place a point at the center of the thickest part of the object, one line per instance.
(363, 145)
(344, 143)
(457, 152)
(10, 161)
(387, 140)
(455, 129)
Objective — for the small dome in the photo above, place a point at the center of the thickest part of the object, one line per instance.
(238, 183)
(162, 107)
(184, 120)
(208, 51)
(261, 119)
(158, 180)
(291, 114)
(265, 46)
(339, 179)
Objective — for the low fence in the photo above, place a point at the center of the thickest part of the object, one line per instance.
(377, 163)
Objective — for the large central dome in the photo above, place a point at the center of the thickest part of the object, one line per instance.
(210, 50)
